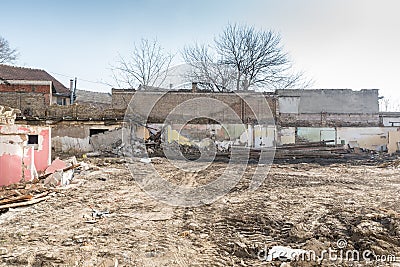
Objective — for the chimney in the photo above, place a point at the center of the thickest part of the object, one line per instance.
(71, 91)
(74, 94)
(194, 87)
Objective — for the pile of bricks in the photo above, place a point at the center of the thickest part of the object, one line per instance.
(8, 115)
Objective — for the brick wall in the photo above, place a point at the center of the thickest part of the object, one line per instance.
(37, 105)
(32, 100)
(83, 112)
(329, 120)
(121, 98)
(181, 106)
(30, 104)
(27, 88)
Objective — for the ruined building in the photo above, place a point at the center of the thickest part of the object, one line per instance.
(25, 150)
(340, 116)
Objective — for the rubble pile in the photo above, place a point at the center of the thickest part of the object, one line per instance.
(23, 194)
(8, 115)
(59, 174)
(311, 150)
(110, 144)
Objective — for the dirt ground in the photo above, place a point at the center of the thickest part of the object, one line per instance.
(303, 206)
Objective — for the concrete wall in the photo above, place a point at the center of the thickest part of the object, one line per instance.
(393, 141)
(74, 136)
(329, 120)
(107, 141)
(372, 138)
(264, 136)
(315, 134)
(390, 118)
(289, 104)
(391, 121)
(329, 100)
(197, 132)
(287, 135)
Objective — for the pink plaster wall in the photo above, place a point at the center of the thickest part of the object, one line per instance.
(10, 169)
(18, 160)
(43, 156)
(29, 164)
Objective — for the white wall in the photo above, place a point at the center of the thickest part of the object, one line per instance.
(373, 138)
(387, 121)
(289, 104)
(287, 135)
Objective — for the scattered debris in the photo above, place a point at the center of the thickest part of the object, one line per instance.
(100, 214)
(306, 206)
(95, 215)
(145, 160)
(8, 115)
(56, 165)
(32, 200)
(59, 174)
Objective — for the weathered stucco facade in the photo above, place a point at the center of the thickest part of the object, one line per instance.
(25, 150)
(74, 137)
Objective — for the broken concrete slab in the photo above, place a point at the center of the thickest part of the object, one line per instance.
(54, 179)
(8, 115)
(56, 165)
(106, 141)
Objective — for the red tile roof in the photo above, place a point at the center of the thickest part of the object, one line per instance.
(8, 72)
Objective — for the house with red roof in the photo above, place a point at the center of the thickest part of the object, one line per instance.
(31, 90)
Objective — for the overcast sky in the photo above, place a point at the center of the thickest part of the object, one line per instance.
(338, 43)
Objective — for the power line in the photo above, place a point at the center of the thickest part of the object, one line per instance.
(80, 79)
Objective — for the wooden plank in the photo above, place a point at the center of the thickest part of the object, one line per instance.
(15, 199)
(25, 203)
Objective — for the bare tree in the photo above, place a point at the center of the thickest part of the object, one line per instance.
(206, 69)
(146, 66)
(7, 54)
(249, 57)
(257, 56)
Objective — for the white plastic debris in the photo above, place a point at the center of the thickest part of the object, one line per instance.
(97, 214)
(145, 160)
(223, 145)
(67, 177)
